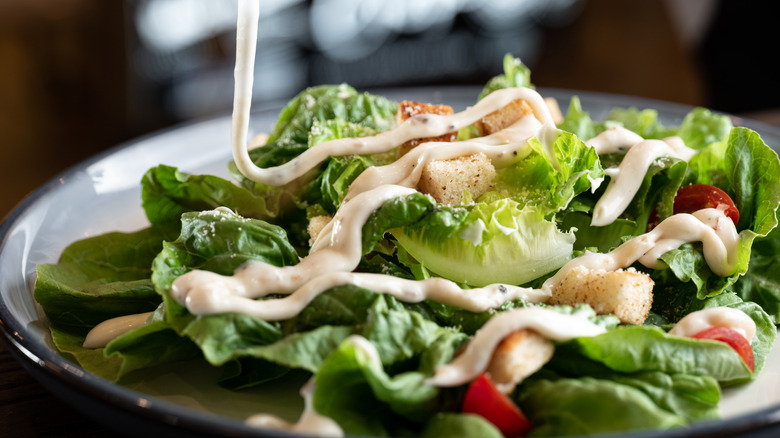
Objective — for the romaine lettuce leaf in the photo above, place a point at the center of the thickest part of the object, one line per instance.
(699, 128)
(631, 349)
(329, 188)
(148, 346)
(593, 406)
(495, 243)
(167, 193)
(219, 241)
(761, 283)
(454, 425)
(327, 102)
(534, 181)
(354, 388)
(99, 278)
(516, 74)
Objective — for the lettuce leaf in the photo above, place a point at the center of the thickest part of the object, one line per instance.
(329, 188)
(167, 193)
(761, 283)
(99, 278)
(516, 74)
(459, 426)
(593, 406)
(354, 388)
(326, 102)
(631, 349)
(534, 181)
(148, 346)
(698, 129)
(495, 243)
(219, 241)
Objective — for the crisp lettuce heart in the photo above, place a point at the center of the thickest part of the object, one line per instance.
(498, 243)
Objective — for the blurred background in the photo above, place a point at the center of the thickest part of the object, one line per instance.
(80, 76)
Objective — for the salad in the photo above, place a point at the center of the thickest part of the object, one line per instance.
(504, 270)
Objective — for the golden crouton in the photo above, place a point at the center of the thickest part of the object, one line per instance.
(408, 108)
(316, 224)
(504, 117)
(555, 110)
(519, 355)
(446, 180)
(627, 294)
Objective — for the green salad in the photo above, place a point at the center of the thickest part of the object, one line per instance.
(376, 356)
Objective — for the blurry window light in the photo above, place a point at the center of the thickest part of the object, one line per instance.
(346, 30)
(172, 25)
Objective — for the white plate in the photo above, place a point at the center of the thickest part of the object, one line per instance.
(103, 194)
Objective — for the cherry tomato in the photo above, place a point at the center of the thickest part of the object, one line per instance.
(694, 197)
(733, 338)
(697, 196)
(484, 399)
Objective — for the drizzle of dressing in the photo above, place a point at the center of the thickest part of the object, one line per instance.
(503, 148)
(710, 226)
(627, 178)
(110, 329)
(337, 249)
(310, 421)
(419, 126)
(614, 139)
(696, 322)
(215, 300)
(475, 358)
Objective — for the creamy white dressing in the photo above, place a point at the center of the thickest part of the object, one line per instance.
(309, 423)
(338, 248)
(244, 74)
(215, 300)
(418, 126)
(110, 329)
(626, 179)
(696, 322)
(502, 148)
(709, 226)
(614, 139)
(475, 358)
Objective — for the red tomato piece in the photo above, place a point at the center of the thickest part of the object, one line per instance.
(733, 338)
(484, 399)
(697, 196)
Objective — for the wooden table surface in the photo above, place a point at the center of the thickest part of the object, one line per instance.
(30, 410)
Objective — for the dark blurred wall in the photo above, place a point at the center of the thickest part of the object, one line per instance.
(79, 76)
(62, 95)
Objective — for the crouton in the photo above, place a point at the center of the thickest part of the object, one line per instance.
(446, 180)
(316, 224)
(517, 356)
(408, 108)
(627, 294)
(555, 110)
(504, 117)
